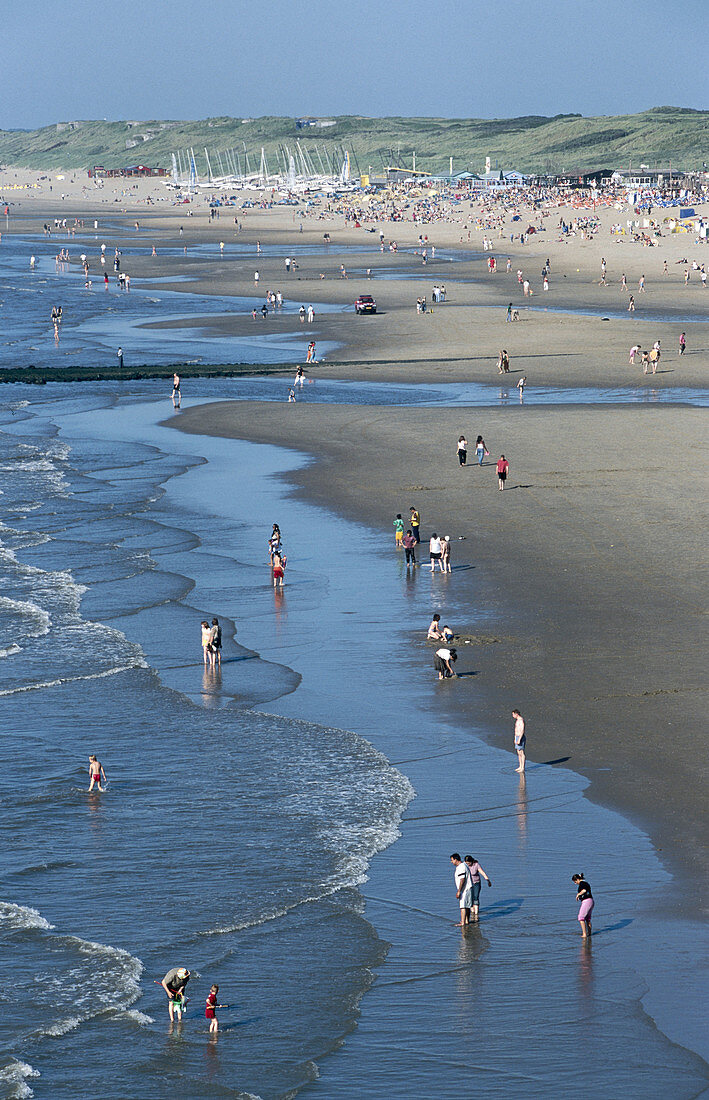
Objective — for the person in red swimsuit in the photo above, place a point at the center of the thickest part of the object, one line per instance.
(210, 1010)
(279, 566)
(96, 772)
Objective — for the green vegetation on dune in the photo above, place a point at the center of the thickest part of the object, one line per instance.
(531, 144)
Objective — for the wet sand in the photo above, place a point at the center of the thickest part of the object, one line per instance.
(591, 563)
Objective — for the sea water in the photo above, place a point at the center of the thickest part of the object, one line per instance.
(227, 841)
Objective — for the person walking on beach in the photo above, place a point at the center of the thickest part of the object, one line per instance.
(415, 523)
(480, 450)
(443, 663)
(463, 889)
(462, 450)
(398, 531)
(174, 984)
(584, 895)
(475, 872)
(520, 386)
(509, 311)
(409, 544)
(310, 357)
(176, 395)
(682, 343)
(215, 635)
(503, 467)
(446, 554)
(520, 740)
(279, 568)
(97, 773)
(119, 354)
(299, 376)
(207, 651)
(274, 541)
(631, 304)
(435, 552)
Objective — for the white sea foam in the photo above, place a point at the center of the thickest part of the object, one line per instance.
(139, 663)
(14, 1075)
(96, 979)
(140, 1018)
(21, 917)
(40, 620)
(10, 650)
(61, 1027)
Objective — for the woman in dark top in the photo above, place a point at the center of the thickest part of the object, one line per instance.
(585, 896)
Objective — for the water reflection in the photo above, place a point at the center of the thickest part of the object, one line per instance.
(211, 684)
(522, 810)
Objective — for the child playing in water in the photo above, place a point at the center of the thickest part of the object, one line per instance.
(210, 1010)
(398, 531)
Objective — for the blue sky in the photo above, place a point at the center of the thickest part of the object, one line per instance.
(148, 59)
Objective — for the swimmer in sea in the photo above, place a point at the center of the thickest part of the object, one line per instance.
(97, 773)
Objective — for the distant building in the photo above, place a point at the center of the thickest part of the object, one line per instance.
(307, 122)
(139, 170)
(644, 177)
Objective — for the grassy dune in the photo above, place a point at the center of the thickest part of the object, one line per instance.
(533, 143)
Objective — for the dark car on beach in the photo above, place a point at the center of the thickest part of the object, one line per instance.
(365, 304)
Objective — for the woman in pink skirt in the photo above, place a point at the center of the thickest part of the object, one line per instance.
(585, 896)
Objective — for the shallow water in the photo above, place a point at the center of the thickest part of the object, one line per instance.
(236, 861)
(453, 394)
(97, 320)
(245, 833)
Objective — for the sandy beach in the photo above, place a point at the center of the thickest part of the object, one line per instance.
(578, 333)
(578, 594)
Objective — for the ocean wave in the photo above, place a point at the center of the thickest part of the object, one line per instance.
(28, 609)
(62, 1027)
(95, 979)
(21, 917)
(40, 684)
(28, 465)
(15, 1075)
(10, 650)
(51, 865)
(140, 1018)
